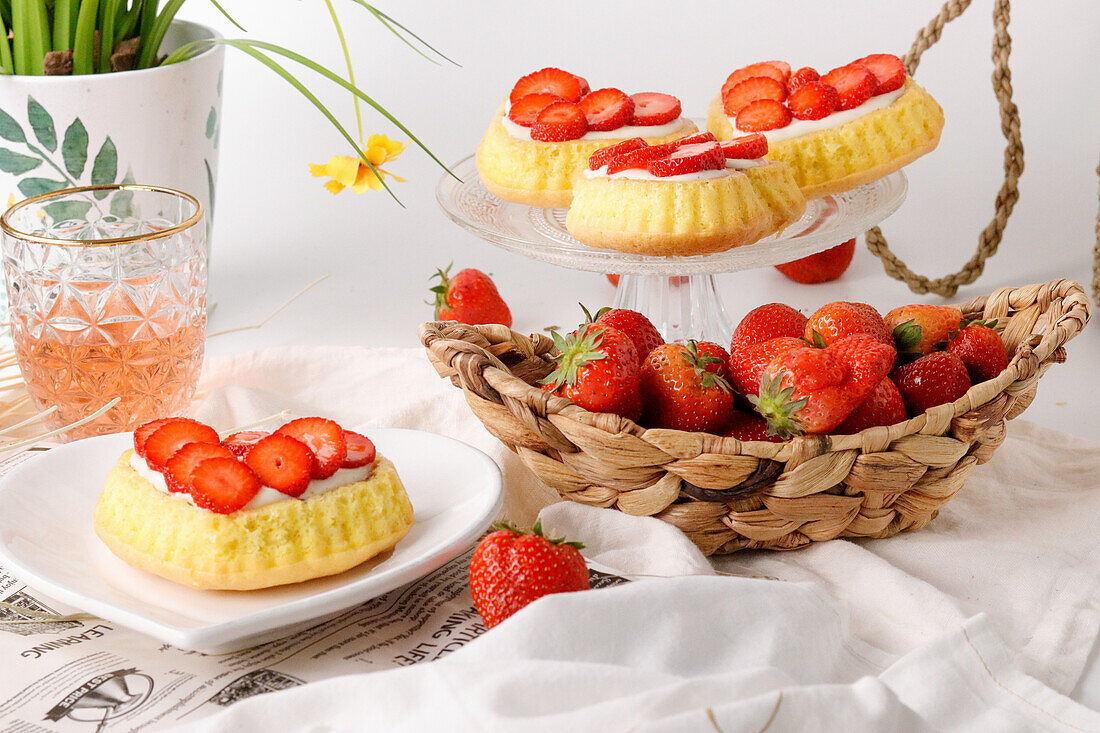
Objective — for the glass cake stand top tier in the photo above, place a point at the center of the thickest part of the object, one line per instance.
(541, 234)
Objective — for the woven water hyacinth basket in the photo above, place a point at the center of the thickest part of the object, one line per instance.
(728, 495)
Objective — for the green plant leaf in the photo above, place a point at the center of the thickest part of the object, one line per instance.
(74, 148)
(129, 177)
(84, 38)
(65, 210)
(35, 186)
(211, 123)
(209, 189)
(17, 163)
(105, 165)
(42, 124)
(122, 204)
(10, 129)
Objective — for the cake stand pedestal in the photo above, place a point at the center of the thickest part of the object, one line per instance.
(678, 294)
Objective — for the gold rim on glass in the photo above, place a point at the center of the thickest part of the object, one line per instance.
(189, 222)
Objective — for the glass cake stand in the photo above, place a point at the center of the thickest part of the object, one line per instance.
(677, 293)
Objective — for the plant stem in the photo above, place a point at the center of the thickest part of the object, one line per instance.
(46, 158)
(107, 35)
(151, 40)
(63, 24)
(84, 41)
(351, 71)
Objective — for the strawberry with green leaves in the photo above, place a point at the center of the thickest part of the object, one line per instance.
(920, 329)
(510, 569)
(834, 321)
(981, 350)
(598, 370)
(469, 296)
(637, 327)
(812, 390)
(748, 356)
(686, 387)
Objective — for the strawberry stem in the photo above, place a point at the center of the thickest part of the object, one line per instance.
(699, 363)
(777, 407)
(440, 290)
(505, 525)
(574, 351)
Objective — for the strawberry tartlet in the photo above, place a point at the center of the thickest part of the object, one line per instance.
(851, 126)
(540, 138)
(254, 510)
(692, 196)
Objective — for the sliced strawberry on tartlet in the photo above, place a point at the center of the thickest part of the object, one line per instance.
(654, 108)
(178, 470)
(322, 436)
(361, 450)
(746, 147)
(172, 435)
(242, 441)
(223, 485)
(854, 85)
(550, 80)
(607, 109)
(283, 463)
(689, 159)
(525, 110)
(558, 122)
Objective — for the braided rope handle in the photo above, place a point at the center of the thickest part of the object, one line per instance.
(990, 237)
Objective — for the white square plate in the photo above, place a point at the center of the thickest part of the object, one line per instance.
(46, 535)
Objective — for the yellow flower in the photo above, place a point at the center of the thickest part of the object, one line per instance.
(346, 171)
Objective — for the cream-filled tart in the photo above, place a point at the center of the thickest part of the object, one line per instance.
(253, 511)
(694, 196)
(853, 125)
(541, 137)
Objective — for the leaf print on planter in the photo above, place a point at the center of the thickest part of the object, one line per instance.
(211, 123)
(35, 186)
(65, 210)
(17, 163)
(42, 124)
(74, 148)
(10, 129)
(122, 200)
(105, 166)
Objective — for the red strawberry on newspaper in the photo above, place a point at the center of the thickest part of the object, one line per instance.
(223, 485)
(746, 147)
(510, 569)
(685, 387)
(822, 266)
(763, 114)
(568, 86)
(637, 328)
(607, 109)
(470, 296)
(833, 321)
(241, 442)
(812, 390)
(361, 450)
(982, 350)
(854, 85)
(689, 159)
(931, 380)
(177, 432)
(283, 463)
(559, 121)
(639, 158)
(525, 110)
(143, 432)
(888, 69)
(813, 100)
(884, 407)
(603, 156)
(324, 437)
(698, 137)
(654, 108)
(177, 474)
(598, 370)
(750, 90)
(803, 76)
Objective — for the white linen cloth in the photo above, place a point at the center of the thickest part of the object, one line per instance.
(1017, 545)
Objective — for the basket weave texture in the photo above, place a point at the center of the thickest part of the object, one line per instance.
(729, 495)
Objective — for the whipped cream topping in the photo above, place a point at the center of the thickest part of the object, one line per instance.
(640, 174)
(519, 132)
(797, 128)
(266, 495)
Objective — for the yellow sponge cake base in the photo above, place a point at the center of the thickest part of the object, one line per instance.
(840, 158)
(541, 174)
(283, 542)
(681, 218)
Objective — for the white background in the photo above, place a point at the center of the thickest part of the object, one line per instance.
(277, 229)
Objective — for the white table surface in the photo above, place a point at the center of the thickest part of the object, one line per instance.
(277, 229)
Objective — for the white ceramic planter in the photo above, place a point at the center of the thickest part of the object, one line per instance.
(154, 126)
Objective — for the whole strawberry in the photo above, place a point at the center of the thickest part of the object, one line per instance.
(981, 350)
(883, 407)
(470, 296)
(767, 322)
(636, 326)
(812, 390)
(747, 363)
(749, 426)
(685, 387)
(821, 267)
(921, 329)
(834, 321)
(931, 380)
(598, 370)
(510, 568)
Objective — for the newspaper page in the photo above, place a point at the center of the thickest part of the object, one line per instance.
(90, 674)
